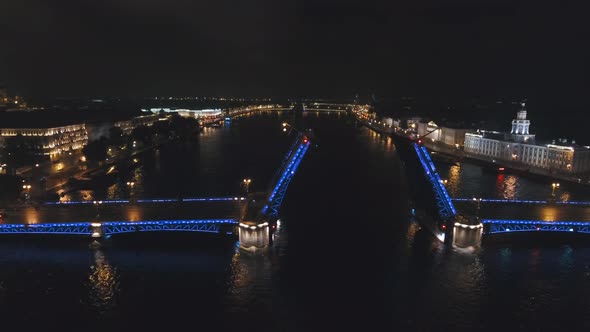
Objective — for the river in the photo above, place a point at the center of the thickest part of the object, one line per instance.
(346, 256)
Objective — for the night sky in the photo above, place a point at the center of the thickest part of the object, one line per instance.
(316, 48)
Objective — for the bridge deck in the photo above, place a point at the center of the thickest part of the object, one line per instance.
(523, 211)
(122, 212)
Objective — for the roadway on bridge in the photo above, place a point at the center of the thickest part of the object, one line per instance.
(524, 211)
(122, 212)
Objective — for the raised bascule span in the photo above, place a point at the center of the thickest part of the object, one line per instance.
(285, 175)
(462, 231)
(446, 209)
(262, 210)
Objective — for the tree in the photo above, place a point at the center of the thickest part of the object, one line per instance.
(96, 151)
(184, 127)
(161, 130)
(142, 134)
(116, 136)
(19, 151)
(11, 187)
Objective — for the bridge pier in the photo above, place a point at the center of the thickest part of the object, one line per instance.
(467, 235)
(254, 237)
(99, 239)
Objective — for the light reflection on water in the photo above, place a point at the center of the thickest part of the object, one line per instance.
(469, 180)
(549, 213)
(509, 188)
(454, 180)
(32, 215)
(103, 284)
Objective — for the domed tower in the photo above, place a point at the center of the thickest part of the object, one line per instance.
(520, 127)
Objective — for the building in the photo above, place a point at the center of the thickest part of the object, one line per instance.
(451, 135)
(519, 146)
(412, 123)
(53, 140)
(127, 126)
(391, 122)
(53, 132)
(204, 116)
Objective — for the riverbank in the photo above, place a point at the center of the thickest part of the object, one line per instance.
(502, 166)
(452, 154)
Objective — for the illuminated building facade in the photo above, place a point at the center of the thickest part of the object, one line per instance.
(127, 126)
(519, 146)
(52, 141)
(448, 135)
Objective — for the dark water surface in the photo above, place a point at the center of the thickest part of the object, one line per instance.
(346, 258)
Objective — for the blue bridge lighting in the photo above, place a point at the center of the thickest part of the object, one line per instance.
(286, 173)
(443, 200)
(117, 227)
(504, 226)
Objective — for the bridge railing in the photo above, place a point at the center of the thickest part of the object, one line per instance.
(284, 162)
(117, 227)
(445, 205)
(276, 196)
(494, 226)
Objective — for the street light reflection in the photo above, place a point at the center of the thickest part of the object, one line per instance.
(103, 283)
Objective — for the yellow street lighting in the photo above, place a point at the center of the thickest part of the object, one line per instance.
(553, 186)
(247, 182)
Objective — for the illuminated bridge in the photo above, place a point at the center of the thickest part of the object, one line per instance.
(263, 208)
(253, 216)
(521, 215)
(446, 209)
(106, 229)
(481, 217)
(486, 216)
(436, 210)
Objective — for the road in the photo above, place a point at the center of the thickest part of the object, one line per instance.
(514, 211)
(121, 212)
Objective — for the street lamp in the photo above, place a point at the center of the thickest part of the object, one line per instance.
(553, 186)
(131, 185)
(97, 204)
(247, 184)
